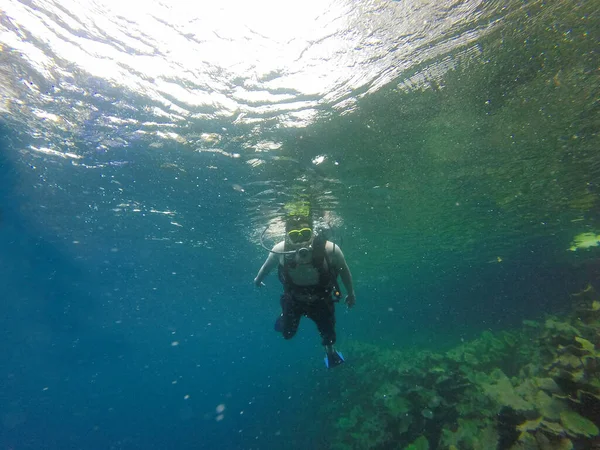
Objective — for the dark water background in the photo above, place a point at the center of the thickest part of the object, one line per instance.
(456, 203)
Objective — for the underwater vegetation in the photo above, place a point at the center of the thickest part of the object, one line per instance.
(584, 241)
(536, 387)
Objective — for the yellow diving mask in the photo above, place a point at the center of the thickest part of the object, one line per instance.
(301, 235)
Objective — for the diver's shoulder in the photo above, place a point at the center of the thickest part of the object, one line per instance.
(332, 247)
(279, 247)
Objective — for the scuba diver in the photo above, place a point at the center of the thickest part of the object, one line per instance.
(308, 265)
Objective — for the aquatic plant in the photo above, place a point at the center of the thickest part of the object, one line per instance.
(537, 387)
(585, 241)
(420, 443)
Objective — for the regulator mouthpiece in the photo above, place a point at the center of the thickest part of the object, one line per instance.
(303, 252)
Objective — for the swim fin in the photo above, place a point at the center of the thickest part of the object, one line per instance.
(333, 358)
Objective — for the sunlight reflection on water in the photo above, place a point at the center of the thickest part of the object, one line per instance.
(249, 62)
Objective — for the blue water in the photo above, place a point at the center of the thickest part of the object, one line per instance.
(89, 342)
(121, 342)
(456, 159)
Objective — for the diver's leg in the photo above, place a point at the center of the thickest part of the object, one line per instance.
(290, 316)
(322, 312)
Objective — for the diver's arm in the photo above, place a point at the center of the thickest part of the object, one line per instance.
(270, 263)
(345, 274)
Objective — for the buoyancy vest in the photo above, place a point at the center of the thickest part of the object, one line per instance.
(327, 284)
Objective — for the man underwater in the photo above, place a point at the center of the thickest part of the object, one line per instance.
(308, 269)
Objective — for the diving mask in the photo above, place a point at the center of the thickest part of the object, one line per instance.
(302, 235)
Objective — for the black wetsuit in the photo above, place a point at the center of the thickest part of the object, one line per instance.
(317, 302)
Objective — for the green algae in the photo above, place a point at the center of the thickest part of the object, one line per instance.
(537, 379)
(578, 425)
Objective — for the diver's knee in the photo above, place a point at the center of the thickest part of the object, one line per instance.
(289, 334)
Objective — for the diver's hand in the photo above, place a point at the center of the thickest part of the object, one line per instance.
(350, 300)
(258, 283)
